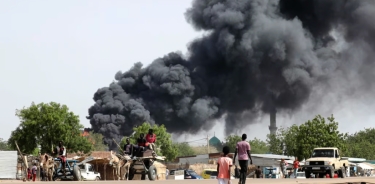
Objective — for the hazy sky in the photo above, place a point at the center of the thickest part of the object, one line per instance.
(63, 51)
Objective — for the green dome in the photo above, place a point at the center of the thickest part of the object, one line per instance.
(214, 141)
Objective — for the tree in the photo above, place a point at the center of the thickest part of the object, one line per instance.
(97, 141)
(361, 144)
(301, 140)
(184, 149)
(45, 125)
(275, 142)
(123, 142)
(258, 146)
(231, 142)
(318, 133)
(163, 139)
(202, 150)
(4, 145)
(284, 141)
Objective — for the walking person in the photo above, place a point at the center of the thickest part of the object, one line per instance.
(258, 172)
(166, 173)
(34, 169)
(223, 167)
(283, 167)
(243, 151)
(295, 167)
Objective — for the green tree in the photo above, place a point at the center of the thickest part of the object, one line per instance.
(361, 144)
(97, 141)
(258, 146)
(123, 142)
(4, 145)
(300, 140)
(35, 152)
(275, 142)
(45, 125)
(163, 139)
(184, 149)
(231, 142)
(318, 133)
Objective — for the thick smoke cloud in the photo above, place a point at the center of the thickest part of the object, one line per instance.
(259, 55)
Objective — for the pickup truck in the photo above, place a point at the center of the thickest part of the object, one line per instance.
(326, 161)
(88, 173)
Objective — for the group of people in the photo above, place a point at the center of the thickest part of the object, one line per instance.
(61, 154)
(143, 143)
(284, 165)
(225, 163)
(31, 173)
(243, 150)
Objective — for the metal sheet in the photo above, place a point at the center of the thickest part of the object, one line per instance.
(8, 164)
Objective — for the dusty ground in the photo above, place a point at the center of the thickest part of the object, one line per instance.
(249, 181)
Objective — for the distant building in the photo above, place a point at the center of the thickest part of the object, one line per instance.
(215, 142)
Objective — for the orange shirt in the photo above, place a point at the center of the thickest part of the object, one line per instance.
(224, 163)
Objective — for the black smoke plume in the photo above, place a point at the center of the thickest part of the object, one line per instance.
(259, 55)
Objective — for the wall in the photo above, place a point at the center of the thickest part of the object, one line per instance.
(8, 164)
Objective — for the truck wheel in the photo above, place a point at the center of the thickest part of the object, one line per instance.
(343, 173)
(307, 174)
(97, 178)
(76, 173)
(152, 173)
(331, 173)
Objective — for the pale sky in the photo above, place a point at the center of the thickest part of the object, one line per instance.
(63, 51)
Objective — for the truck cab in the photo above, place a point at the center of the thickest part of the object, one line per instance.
(324, 161)
(88, 173)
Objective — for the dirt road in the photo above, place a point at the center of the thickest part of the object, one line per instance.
(358, 180)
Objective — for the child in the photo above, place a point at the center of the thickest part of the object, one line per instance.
(28, 173)
(223, 167)
(34, 169)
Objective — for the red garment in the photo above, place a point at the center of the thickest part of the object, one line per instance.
(295, 164)
(28, 176)
(34, 176)
(149, 139)
(143, 144)
(62, 158)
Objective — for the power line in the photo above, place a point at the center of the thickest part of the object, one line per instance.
(196, 140)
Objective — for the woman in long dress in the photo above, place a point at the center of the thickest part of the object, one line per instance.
(283, 167)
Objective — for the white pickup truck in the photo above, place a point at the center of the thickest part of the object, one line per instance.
(88, 173)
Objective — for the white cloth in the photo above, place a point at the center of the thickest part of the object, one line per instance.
(64, 152)
(224, 181)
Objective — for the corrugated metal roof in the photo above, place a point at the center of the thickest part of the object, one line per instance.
(272, 156)
(364, 166)
(355, 159)
(370, 161)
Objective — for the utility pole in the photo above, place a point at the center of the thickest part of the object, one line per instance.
(208, 145)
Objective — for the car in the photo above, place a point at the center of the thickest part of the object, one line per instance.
(88, 173)
(188, 174)
(212, 174)
(325, 161)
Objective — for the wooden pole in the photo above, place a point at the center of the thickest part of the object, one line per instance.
(208, 145)
(105, 172)
(23, 158)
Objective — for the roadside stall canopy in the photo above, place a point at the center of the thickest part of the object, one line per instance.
(364, 166)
